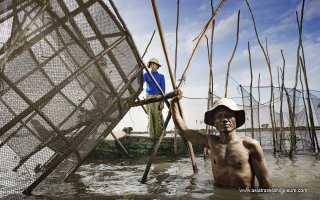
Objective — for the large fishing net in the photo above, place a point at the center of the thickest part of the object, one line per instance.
(291, 114)
(69, 73)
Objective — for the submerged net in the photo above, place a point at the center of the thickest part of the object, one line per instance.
(69, 73)
(258, 122)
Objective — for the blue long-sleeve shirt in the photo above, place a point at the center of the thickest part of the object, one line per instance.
(151, 87)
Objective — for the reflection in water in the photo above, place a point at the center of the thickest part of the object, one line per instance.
(171, 178)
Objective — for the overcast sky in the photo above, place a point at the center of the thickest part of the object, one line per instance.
(275, 20)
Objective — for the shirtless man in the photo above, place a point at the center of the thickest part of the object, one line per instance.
(236, 160)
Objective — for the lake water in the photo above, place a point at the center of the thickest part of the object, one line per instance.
(173, 178)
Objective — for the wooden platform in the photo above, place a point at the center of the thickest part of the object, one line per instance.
(141, 144)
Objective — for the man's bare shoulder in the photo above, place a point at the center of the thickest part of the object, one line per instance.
(250, 143)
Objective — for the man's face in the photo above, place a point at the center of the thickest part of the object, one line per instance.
(224, 120)
(153, 66)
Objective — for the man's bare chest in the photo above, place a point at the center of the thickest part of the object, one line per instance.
(235, 155)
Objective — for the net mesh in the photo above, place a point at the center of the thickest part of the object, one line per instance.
(69, 73)
(258, 122)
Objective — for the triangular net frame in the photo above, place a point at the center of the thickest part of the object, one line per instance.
(69, 73)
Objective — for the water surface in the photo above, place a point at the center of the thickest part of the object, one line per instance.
(173, 178)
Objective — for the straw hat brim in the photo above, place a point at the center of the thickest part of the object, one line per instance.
(240, 116)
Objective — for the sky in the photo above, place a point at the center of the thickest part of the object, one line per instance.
(276, 23)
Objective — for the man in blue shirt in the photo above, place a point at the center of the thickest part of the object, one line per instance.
(155, 121)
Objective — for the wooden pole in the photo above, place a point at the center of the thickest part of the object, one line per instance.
(251, 77)
(306, 110)
(154, 99)
(145, 51)
(210, 82)
(229, 62)
(47, 97)
(175, 143)
(156, 146)
(303, 65)
(183, 77)
(292, 130)
(21, 34)
(173, 81)
(281, 103)
(259, 109)
(270, 73)
(119, 143)
(310, 108)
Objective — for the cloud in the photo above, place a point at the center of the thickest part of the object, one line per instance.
(311, 10)
(279, 28)
(226, 26)
(203, 7)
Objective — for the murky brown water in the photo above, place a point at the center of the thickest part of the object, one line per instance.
(171, 178)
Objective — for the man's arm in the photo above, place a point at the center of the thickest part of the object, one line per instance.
(259, 163)
(191, 135)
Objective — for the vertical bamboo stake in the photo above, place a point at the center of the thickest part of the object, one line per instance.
(303, 65)
(279, 88)
(229, 62)
(271, 105)
(309, 106)
(210, 84)
(269, 68)
(157, 144)
(306, 110)
(145, 51)
(251, 76)
(259, 109)
(292, 130)
(183, 76)
(298, 63)
(173, 81)
(281, 102)
(175, 148)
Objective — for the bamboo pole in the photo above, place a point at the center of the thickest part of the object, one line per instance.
(270, 73)
(251, 77)
(146, 49)
(280, 127)
(210, 82)
(163, 42)
(47, 97)
(14, 5)
(259, 109)
(298, 63)
(44, 33)
(173, 81)
(154, 99)
(176, 47)
(119, 143)
(306, 110)
(157, 144)
(134, 49)
(107, 112)
(281, 103)
(273, 121)
(303, 65)
(59, 158)
(292, 130)
(229, 62)
(310, 108)
(20, 35)
(183, 77)
(175, 143)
